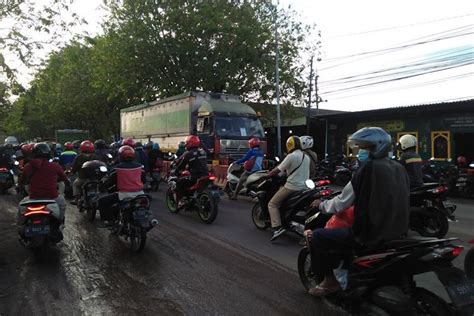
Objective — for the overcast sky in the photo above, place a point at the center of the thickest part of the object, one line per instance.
(378, 54)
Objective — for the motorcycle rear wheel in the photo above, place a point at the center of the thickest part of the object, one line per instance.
(257, 217)
(137, 238)
(207, 207)
(427, 303)
(469, 264)
(434, 224)
(171, 202)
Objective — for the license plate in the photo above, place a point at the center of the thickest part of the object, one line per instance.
(463, 293)
(36, 230)
(140, 215)
(448, 204)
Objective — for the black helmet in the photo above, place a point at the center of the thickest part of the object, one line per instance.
(138, 144)
(376, 140)
(149, 145)
(76, 144)
(41, 150)
(100, 144)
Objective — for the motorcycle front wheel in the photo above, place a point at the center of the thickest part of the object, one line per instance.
(207, 207)
(433, 224)
(306, 274)
(171, 202)
(258, 218)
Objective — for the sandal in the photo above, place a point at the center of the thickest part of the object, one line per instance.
(319, 291)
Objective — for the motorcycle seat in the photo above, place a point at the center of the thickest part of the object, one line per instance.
(424, 187)
(412, 242)
(39, 201)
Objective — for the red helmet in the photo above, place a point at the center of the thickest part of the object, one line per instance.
(192, 141)
(68, 146)
(128, 142)
(26, 149)
(126, 153)
(254, 142)
(462, 160)
(86, 147)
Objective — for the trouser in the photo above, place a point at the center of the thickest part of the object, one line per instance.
(240, 184)
(108, 206)
(324, 242)
(275, 203)
(182, 185)
(77, 187)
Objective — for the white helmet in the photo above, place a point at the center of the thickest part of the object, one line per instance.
(306, 142)
(407, 141)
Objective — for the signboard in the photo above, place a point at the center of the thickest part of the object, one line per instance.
(389, 126)
(460, 121)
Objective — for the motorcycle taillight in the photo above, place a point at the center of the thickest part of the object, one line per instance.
(36, 210)
(439, 190)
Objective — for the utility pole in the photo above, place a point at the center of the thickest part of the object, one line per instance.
(308, 114)
(277, 88)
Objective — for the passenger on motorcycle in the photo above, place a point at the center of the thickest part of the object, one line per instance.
(380, 193)
(101, 150)
(411, 160)
(181, 149)
(196, 160)
(307, 143)
(141, 156)
(252, 163)
(87, 154)
(155, 159)
(128, 177)
(68, 155)
(296, 166)
(42, 177)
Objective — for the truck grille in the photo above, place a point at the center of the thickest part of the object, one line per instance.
(234, 146)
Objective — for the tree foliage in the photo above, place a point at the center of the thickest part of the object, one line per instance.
(154, 49)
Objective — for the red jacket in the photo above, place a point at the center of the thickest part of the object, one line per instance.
(43, 177)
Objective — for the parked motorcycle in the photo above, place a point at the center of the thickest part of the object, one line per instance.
(38, 223)
(381, 282)
(89, 200)
(465, 182)
(430, 210)
(234, 172)
(202, 197)
(134, 221)
(294, 210)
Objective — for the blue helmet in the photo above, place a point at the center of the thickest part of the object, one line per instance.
(156, 146)
(376, 140)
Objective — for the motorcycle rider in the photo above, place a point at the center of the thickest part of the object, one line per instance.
(128, 177)
(87, 154)
(68, 155)
(252, 163)
(5, 158)
(141, 156)
(43, 176)
(380, 193)
(296, 166)
(181, 149)
(411, 160)
(307, 143)
(101, 150)
(196, 158)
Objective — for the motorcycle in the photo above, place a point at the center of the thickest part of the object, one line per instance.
(68, 191)
(381, 282)
(6, 180)
(38, 223)
(91, 190)
(294, 210)
(202, 197)
(134, 221)
(234, 172)
(430, 210)
(465, 182)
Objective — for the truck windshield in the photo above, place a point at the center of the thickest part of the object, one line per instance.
(238, 126)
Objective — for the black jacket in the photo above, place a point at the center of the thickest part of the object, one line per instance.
(382, 202)
(197, 161)
(413, 163)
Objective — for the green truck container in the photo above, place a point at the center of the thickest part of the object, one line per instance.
(69, 135)
(222, 121)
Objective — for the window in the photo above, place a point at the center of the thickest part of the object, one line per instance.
(441, 145)
(203, 125)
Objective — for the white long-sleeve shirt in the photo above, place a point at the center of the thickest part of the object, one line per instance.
(341, 202)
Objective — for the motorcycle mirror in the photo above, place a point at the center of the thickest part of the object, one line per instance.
(103, 169)
(277, 159)
(310, 184)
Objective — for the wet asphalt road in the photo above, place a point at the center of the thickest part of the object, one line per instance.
(187, 267)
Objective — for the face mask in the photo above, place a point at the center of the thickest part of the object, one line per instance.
(363, 155)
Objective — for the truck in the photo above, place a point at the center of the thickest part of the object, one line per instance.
(70, 135)
(223, 123)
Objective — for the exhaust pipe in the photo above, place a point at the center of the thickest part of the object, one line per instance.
(154, 222)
